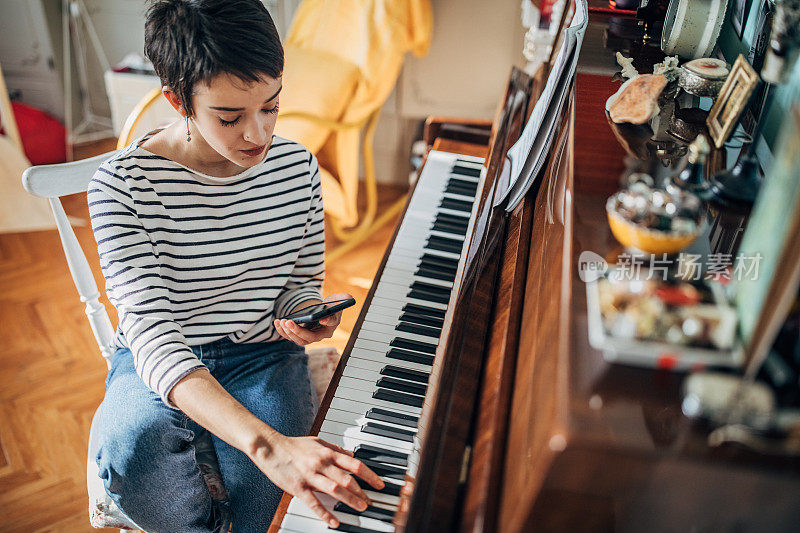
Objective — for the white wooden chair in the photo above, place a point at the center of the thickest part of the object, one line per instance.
(52, 182)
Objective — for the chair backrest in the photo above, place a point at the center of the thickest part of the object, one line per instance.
(153, 111)
(52, 182)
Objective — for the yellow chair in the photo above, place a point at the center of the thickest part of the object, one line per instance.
(343, 58)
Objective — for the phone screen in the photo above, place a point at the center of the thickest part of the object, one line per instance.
(313, 309)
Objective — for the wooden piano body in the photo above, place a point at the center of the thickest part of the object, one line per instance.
(526, 427)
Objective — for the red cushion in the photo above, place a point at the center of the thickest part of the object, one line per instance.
(43, 136)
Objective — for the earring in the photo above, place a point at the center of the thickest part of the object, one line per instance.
(188, 133)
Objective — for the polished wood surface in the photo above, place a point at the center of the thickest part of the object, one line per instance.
(527, 427)
(594, 446)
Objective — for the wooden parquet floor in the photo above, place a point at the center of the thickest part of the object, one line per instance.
(52, 375)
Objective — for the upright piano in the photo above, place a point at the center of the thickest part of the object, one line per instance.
(468, 383)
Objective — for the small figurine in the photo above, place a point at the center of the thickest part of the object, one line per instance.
(636, 102)
(692, 178)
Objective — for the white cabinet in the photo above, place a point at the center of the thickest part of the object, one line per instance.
(26, 54)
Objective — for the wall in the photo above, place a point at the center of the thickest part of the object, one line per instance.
(783, 96)
(463, 75)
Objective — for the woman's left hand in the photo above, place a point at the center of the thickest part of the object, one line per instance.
(302, 336)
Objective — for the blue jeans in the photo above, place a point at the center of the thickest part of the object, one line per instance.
(146, 458)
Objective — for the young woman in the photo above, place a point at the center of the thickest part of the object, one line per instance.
(209, 231)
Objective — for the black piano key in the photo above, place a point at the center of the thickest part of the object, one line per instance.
(409, 387)
(419, 330)
(442, 227)
(388, 395)
(378, 513)
(460, 182)
(405, 373)
(433, 269)
(429, 287)
(461, 228)
(446, 240)
(391, 472)
(466, 171)
(449, 229)
(422, 319)
(392, 489)
(460, 187)
(425, 271)
(433, 244)
(428, 297)
(452, 219)
(374, 452)
(384, 415)
(454, 188)
(424, 310)
(390, 432)
(411, 357)
(444, 244)
(425, 268)
(442, 266)
(456, 205)
(434, 274)
(418, 346)
(444, 262)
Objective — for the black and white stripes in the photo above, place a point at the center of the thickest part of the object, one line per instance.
(190, 258)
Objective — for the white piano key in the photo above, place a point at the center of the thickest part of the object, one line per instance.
(355, 435)
(386, 307)
(376, 364)
(459, 197)
(359, 419)
(377, 361)
(371, 375)
(398, 293)
(455, 212)
(410, 252)
(447, 235)
(406, 276)
(420, 232)
(377, 331)
(298, 508)
(301, 524)
(351, 441)
(389, 299)
(365, 398)
(365, 385)
(382, 347)
(390, 317)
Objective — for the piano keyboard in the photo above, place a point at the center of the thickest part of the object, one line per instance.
(378, 400)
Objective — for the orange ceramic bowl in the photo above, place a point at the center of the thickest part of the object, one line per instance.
(647, 240)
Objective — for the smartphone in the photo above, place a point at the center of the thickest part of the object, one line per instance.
(309, 317)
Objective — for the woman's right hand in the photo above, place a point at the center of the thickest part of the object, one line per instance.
(302, 465)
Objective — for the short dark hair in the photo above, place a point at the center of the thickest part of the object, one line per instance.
(192, 41)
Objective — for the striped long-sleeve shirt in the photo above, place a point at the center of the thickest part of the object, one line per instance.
(190, 258)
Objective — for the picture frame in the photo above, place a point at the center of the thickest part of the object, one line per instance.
(739, 12)
(732, 101)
